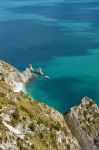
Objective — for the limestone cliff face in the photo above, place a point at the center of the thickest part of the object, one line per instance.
(83, 121)
(13, 77)
(28, 124)
(10, 75)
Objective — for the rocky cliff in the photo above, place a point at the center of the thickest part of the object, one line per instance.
(28, 124)
(83, 121)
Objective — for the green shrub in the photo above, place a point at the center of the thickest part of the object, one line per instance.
(85, 112)
(2, 78)
(15, 114)
(68, 146)
(24, 118)
(2, 94)
(32, 126)
(56, 126)
(41, 135)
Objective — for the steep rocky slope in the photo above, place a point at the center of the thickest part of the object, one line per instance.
(83, 121)
(28, 124)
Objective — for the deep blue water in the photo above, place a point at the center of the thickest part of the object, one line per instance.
(61, 36)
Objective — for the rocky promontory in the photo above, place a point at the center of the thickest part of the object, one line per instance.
(17, 79)
(29, 124)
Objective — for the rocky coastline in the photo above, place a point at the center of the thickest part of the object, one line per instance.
(18, 80)
(28, 124)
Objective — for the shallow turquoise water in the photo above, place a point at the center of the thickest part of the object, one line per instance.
(61, 36)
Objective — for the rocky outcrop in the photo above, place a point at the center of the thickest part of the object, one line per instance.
(31, 68)
(28, 124)
(27, 75)
(83, 121)
(14, 78)
(39, 71)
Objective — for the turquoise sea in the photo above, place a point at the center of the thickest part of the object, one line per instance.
(61, 36)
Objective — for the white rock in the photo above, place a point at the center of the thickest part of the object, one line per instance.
(31, 68)
(14, 130)
(47, 77)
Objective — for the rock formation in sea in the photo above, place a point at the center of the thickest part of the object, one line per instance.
(16, 79)
(29, 124)
(31, 68)
(39, 71)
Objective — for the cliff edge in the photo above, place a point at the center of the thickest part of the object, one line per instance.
(83, 121)
(29, 124)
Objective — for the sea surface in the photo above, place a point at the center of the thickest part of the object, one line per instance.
(61, 36)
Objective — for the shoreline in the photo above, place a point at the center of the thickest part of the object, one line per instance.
(25, 91)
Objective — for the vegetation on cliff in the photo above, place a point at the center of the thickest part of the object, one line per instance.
(28, 124)
(83, 121)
